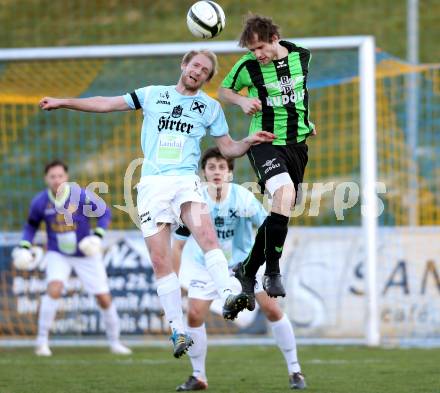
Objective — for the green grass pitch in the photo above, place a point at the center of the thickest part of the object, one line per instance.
(328, 369)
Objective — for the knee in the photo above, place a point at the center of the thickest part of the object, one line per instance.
(195, 318)
(208, 240)
(285, 196)
(273, 313)
(159, 259)
(104, 300)
(55, 289)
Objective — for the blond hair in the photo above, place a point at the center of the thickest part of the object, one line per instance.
(209, 54)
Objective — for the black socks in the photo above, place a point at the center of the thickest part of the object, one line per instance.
(268, 246)
(276, 232)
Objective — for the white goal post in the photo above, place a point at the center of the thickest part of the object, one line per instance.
(365, 45)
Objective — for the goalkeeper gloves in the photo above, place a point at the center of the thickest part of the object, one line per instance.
(25, 257)
(91, 245)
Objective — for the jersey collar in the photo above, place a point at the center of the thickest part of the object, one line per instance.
(221, 203)
(63, 198)
(288, 45)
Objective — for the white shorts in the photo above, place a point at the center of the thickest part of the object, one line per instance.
(201, 286)
(160, 197)
(90, 270)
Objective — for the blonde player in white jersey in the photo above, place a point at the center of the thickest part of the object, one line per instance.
(175, 119)
(234, 211)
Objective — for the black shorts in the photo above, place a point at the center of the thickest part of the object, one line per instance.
(269, 160)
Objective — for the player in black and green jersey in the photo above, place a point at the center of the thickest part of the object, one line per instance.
(275, 74)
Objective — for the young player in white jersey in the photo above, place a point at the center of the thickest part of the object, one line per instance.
(234, 211)
(175, 119)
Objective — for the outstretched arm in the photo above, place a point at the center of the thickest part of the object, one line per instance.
(232, 149)
(91, 104)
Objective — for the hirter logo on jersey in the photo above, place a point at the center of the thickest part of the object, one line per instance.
(167, 122)
(224, 235)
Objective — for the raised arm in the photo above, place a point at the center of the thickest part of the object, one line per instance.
(232, 149)
(91, 104)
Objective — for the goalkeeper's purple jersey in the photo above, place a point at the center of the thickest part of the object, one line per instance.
(68, 220)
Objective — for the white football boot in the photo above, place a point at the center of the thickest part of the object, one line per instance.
(43, 350)
(120, 349)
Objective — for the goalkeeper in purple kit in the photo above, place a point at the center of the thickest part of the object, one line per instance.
(66, 210)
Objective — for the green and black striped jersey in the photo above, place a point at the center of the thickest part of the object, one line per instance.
(281, 87)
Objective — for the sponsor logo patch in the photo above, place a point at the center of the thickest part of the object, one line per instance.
(198, 107)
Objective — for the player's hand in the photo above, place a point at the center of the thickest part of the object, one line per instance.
(314, 132)
(260, 137)
(250, 106)
(49, 103)
(90, 245)
(24, 258)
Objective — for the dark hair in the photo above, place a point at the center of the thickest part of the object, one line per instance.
(214, 152)
(256, 25)
(209, 54)
(55, 163)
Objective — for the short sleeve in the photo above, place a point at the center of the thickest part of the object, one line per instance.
(138, 98)
(218, 125)
(238, 77)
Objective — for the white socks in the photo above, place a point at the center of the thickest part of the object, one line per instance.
(217, 266)
(197, 352)
(282, 331)
(285, 338)
(111, 321)
(168, 289)
(48, 310)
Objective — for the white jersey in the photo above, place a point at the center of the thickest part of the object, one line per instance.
(233, 219)
(173, 126)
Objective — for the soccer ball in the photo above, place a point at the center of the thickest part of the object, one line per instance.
(205, 19)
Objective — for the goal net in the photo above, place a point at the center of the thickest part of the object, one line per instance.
(361, 258)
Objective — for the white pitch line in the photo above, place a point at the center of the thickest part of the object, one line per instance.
(342, 361)
(62, 362)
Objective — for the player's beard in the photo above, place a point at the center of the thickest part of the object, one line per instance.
(191, 84)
